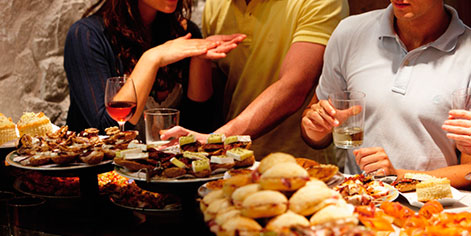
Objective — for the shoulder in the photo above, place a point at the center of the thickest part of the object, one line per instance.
(359, 24)
(89, 24)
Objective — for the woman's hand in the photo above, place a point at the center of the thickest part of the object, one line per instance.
(374, 160)
(227, 43)
(458, 127)
(178, 131)
(180, 48)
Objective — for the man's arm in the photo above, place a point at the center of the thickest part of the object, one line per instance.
(299, 73)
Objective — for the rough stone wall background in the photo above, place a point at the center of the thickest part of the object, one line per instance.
(32, 36)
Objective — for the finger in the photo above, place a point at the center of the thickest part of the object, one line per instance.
(459, 138)
(458, 122)
(460, 114)
(457, 129)
(378, 168)
(310, 126)
(318, 120)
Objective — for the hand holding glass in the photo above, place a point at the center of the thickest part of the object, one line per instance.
(158, 120)
(349, 134)
(120, 99)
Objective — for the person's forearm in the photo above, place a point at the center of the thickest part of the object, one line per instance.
(143, 76)
(200, 84)
(277, 102)
(454, 173)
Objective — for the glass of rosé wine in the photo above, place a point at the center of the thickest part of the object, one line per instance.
(120, 99)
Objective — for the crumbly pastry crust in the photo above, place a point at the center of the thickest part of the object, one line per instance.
(7, 129)
(34, 124)
(433, 189)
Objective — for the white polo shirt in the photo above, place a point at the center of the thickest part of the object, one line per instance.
(408, 94)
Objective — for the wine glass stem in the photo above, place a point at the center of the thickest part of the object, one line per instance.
(121, 125)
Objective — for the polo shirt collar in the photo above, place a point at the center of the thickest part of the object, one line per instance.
(446, 42)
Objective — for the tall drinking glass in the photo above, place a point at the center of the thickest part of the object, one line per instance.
(120, 99)
(349, 134)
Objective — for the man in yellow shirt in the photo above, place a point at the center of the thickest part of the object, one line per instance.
(270, 75)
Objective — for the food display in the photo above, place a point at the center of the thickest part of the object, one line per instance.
(67, 148)
(7, 129)
(362, 190)
(189, 160)
(276, 196)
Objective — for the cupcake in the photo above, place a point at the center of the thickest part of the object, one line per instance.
(34, 124)
(7, 129)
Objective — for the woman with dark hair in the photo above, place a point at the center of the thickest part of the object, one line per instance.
(148, 40)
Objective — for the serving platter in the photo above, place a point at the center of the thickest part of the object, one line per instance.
(174, 209)
(14, 158)
(142, 176)
(19, 186)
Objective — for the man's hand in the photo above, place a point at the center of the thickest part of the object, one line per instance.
(225, 44)
(458, 127)
(374, 160)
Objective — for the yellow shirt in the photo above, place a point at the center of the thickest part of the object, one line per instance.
(271, 27)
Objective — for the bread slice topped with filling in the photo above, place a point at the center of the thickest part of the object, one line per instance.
(214, 144)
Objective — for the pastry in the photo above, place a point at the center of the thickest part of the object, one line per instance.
(34, 124)
(7, 129)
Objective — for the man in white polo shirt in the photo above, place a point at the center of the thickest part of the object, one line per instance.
(408, 59)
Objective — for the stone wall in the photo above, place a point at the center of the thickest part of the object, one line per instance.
(32, 36)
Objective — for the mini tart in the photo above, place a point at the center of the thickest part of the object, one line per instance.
(7, 129)
(34, 124)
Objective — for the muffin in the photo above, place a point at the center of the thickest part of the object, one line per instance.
(34, 124)
(7, 129)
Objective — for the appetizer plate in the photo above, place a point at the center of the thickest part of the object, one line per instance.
(13, 159)
(412, 198)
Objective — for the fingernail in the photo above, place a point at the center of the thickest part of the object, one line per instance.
(336, 122)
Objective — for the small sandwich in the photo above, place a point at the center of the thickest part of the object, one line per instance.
(222, 217)
(288, 219)
(231, 184)
(242, 157)
(312, 197)
(240, 226)
(222, 162)
(209, 198)
(178, 168)
(284, 177)
(339, 213)
(265, 203)
(273, 159)
(189, 143)
(242, 141)
(409, 182)
(214, 144)
(214, 207)
(201, 168)
(240, 194)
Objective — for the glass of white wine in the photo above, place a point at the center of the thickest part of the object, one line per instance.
(349, 134)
